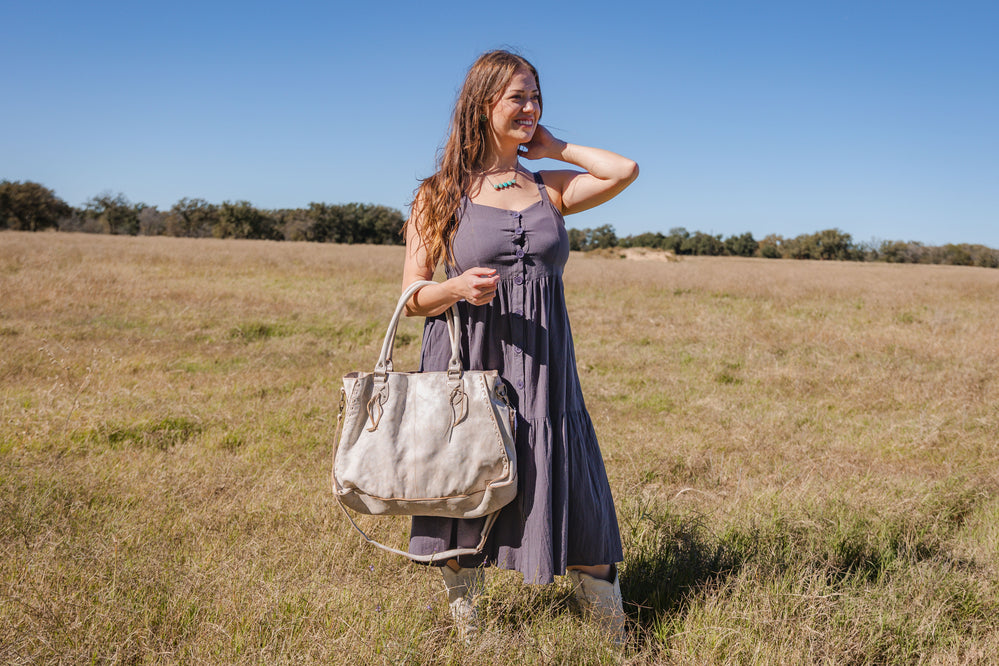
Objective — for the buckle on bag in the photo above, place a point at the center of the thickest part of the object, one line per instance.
(501, 394)
(505, 399)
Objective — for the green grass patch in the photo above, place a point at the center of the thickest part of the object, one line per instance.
(254, 331)
(159, 434)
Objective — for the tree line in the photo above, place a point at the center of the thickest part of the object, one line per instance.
(829, 244)
(30, 206)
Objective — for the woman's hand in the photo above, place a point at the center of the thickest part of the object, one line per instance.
(476, 285)
(542, 144)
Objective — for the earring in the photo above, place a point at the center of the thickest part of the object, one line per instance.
(483, 118)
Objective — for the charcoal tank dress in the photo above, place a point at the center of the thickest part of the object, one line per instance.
(564, 513)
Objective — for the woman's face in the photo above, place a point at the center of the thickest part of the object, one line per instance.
(515, 114)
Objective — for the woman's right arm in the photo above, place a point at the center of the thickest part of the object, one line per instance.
(476, 285)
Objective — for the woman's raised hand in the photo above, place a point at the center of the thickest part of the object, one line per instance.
(477, 285)
(542, 144)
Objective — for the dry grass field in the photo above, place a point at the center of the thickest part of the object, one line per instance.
(804, 455)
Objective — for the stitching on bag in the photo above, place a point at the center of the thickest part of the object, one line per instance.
(499, 436)
(492, 412)
(353, 405)
(488, 401)
(350, 415)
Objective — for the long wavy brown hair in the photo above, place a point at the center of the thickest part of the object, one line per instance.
(437, 199)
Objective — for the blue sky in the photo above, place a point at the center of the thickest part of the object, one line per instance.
(879, 118)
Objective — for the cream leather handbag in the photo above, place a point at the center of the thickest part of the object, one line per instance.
(425, 443)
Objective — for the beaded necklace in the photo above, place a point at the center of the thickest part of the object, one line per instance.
(505, 185)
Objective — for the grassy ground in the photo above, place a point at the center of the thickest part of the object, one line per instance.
(804, 458)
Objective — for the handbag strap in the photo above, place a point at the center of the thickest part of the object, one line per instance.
(384, 363)
(433, 557)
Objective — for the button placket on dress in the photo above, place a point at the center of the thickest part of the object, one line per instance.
(517, 300)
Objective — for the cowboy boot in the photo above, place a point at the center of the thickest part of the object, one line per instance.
(601, 599)
(463, 590)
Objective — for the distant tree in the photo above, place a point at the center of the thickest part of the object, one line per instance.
(984, 256)
(344, 223)
(771, 246)
(917, 253)
(675, 238)
(963, 254)
(656, 241)
(836, 244)
(826, 244)
(868, 251)
(291, 222)
(957, 255)
(800, 247)
(114, 213)
(152, 222)
(370, 223)
(701, 243)
(324, 223)
(351, 225)
(385, 224)
(30, 206)
(742, 246)
(192, 218)
(900, 252)
(592, 239)
(601, 238)
(242, 220)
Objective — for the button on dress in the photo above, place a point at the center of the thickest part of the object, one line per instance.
(564, 513)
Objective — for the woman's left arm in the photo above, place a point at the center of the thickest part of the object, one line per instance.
(606, 173)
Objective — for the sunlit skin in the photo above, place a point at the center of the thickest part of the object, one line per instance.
(514, 132)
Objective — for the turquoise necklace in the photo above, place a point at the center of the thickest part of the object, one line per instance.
(505, 185)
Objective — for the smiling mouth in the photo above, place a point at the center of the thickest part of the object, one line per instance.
(526, 123)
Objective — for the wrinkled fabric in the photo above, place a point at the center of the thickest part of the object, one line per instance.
(564, 513)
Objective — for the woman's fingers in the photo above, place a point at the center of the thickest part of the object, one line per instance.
(481, 283)
(542, 144)
(483, 292)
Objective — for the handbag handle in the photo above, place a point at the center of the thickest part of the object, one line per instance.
(384, 363)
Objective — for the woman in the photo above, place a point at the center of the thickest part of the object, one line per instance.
(499, 231)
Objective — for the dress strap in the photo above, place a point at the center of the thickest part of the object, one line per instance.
(542, 188)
